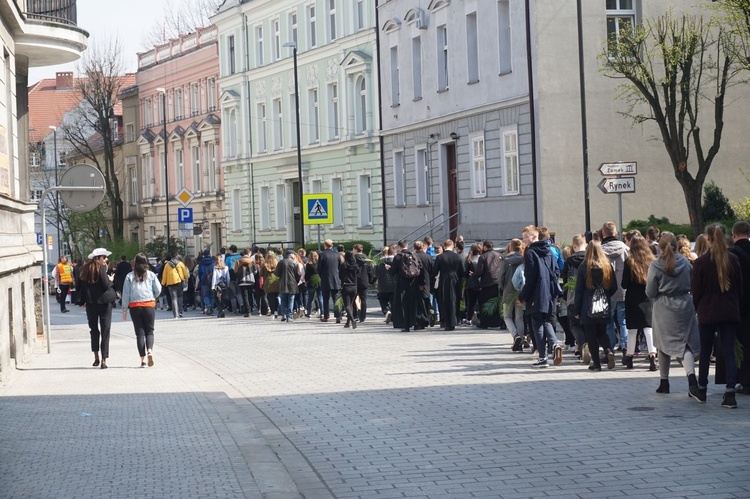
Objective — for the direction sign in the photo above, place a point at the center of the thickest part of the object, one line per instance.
(185, 233)
(318, 209)
(184, 197)
(617, 185)
(185, 215)
(619, 168)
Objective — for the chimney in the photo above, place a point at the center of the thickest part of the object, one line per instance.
(64, 80)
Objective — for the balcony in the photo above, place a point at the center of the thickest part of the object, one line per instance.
(49, 34)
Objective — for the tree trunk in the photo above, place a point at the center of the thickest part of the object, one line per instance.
(693, 190)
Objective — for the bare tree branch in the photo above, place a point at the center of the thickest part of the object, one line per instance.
(180, 18)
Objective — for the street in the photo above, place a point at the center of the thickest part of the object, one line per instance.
(253, 407)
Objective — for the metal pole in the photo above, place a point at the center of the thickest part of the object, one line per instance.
(57, 198)
(166, 168)
(318, 237)
(619, 207)
(584, 126)
(299, 150)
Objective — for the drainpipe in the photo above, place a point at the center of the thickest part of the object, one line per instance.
(380, 125)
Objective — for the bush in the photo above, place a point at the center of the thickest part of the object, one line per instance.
(158, 247)
(662, 223)
(120, 247)
(742, 209)
(715, 204)
(366, 245)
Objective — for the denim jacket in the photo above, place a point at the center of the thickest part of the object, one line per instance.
(138, 291)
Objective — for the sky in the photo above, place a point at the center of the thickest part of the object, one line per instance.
(129, 21)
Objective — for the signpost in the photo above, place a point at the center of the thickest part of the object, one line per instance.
(317, 210)
(615, 183)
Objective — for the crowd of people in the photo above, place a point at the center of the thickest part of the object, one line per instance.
(608, 295)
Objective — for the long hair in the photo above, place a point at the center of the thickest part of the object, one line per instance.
(91, 270)
(312, 257)
(140, 267)
(219, 262)
(683, 247)
(476, 249)
(595, 258)
(641, 257)
(719, 255)
(668, 248)
(701, 245)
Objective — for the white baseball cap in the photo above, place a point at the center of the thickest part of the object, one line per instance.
(99, 252)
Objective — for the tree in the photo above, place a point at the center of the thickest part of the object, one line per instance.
(92, 128)
(672, 65)
(180, 18)
(736, 21)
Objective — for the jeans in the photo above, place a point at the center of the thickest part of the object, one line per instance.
(434, 304)
(618, 315)
(208, 296)
(273, 302)
(175, 291)
(287, 304)
(543, 332)
(513, 315)
(246, 292)
(143, 323)
(727, 333)
(314, 294)
(100, 321)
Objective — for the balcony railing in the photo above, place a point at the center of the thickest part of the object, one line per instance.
(56, 11)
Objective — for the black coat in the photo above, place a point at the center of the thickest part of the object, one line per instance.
(328, 268)
(741, 248)
(637, 304)
(711, 304)
(424, 276)
(98, 293)
(366, 274)
(386, 280)
(539, 270)
(487, 269)
(585, 295)
(349, 275)
(407, 297)
(450, 268)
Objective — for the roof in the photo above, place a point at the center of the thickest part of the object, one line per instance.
(47, 106)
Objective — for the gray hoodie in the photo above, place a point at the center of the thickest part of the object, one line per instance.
(617, 252)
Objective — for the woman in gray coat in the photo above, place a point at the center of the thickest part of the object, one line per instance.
(674, 322)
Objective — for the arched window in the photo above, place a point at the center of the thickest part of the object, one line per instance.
(361, 105)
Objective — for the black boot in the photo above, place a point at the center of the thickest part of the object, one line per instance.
(652, 363)
(663, 386)
(627, 361)
(693, 391)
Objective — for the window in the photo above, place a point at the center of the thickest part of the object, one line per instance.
(365, 201)
(399, 179)
(262, 127)
(361, 105)
(147, 116)
(147, 162)
(394, 77)
(503, 30)
(210, 156)
(472, 48)
(177, 103)
(280, 207)
(195, 99)
(317, 186)
(510, 162)
(442, 57)
(211, 94)
(230, 134)
(331, 19)
(61, 161)
(197, 173)
(416, 55)
(359, 15)
(179, 166)
(293, 114)
(36, 195)
(129, 133)
(333, 111)
(314, 118)
(293, 26)
(236, 210)
(278, 129)
(478, 170)
(159, 173)
(258, 46)
(620, 16)
(133, 191)
(276, 39)
(34, 158)
(337, 190)
(230, 50)
(422, 173)
(312, 38)
(265, 208)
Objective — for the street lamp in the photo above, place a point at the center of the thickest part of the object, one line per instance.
(293, 46)
(163, 92)
(584, 125)
(57, 195)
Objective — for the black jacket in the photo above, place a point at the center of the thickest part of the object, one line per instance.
(349, 275)
(328, 268)
(585, 295)
(386, 280)
(488, 269)
(97, 293)
(366, 274)
(742, 249)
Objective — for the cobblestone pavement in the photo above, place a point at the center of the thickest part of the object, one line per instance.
(253, 407)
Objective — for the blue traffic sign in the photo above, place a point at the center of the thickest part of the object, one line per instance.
(39, 239)
(185, 215)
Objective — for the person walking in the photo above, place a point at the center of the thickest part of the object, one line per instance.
(449, 270)
(289, 274)
(312, 278)
(174, 277)
(512, 313)
(220, 286)
(487, 270)
(97, 294)
(407, 297)
(539, 294)
(245, 273)
(673, 314)
(425, 312)
(471, 293)
(569, 274)
(330, 282)
(122, 269)
(595, 286)
(63, 275)
(271, 283)
(386, 283)
(139, 293)
(261, 300)
(638, 310)
(205, 275)
(741, 248)
(349, 277)
(716, 286)
(617, 252)
(365, 277)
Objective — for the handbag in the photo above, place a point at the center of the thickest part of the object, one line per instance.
(599, 304)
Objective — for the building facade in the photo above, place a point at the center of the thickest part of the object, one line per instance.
(339, 118)
(133, 227)
(30, 38)
(181, 78)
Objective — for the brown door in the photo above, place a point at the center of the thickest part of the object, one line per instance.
(450, 163)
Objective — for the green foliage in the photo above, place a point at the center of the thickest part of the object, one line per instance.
(315, 280)
(511, 297)
(272, 278)
(662, 223)
(493, 306)
(571, 284)
(366, 245)
(120, 247)
(742, 209)
(338, 305)
(158, 247)
(715, 204)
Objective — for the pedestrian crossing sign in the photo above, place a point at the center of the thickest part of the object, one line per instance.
(318, 209)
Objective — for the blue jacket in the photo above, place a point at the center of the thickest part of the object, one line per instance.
(136, 291)
(206, 270)
(539, 268)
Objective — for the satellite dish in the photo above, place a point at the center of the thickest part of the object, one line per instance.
(81, 176)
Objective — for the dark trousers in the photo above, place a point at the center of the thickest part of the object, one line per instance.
(362, 312)
(596, 335)
(143, 323)
(472, 298)
(565, 323)
(261, 301)
(543, 332)
(175, 294)
(386, 301)
(64, 288)
(727, 333)
(247, 297)
(330, 294)
(273, 302)
(743, 334)
(349, 293)
(100, 322)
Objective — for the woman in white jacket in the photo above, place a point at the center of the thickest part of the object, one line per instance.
(220, 284)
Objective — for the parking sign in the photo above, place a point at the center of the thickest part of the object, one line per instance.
(185, 215)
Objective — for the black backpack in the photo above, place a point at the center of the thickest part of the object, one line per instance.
(411, 267)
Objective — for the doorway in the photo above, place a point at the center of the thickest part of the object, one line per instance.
(297, 227)
(449, 151)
